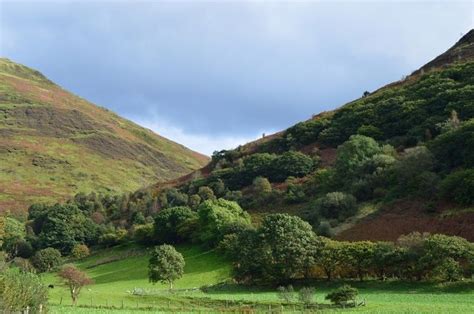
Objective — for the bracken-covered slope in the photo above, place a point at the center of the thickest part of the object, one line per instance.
(403, 114)
(54, 144)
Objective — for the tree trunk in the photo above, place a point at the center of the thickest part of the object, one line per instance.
(171, 285)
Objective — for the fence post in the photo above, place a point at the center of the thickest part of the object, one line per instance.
(61, 301)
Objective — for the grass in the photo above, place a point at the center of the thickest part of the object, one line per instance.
(118, 271)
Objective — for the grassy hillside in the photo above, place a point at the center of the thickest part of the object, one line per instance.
(114, 280)
(54, 144)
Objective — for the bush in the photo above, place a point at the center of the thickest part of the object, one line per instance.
(459, 187)
(294, 194)
(80, 251)
(144, 233)
(456, 148)
(206, 193)
(261, 186)
(306, 295)
(343, 295)
(336, 205)
(448, 270)
(20, 290)
(113, 238)
(46, 260)
(286, 294)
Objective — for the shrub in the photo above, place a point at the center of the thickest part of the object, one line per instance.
(325, 230)
(24, 265)
(456, 148)
(113, 238)
(294, 193)
(206, 193)
(194, 201)
(144, 233)
(46, 260)
(343, 295)
(80, 251)
(306, 295)
(336, 205)
(261, 186)
(448, 270)
(459, 186)
(21, 290)
(286, 294)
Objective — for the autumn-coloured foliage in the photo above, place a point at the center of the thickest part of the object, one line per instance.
(75, 279)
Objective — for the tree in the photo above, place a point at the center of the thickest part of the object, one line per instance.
(206, 193)
(217, 217)
(291, 164)
(80, 251)
(169, 221)
(258, 165)
(459, 186)
(384, 258)
(63, 226)
(165, 265)
(75, 279)
(330, 257)
(360, 256)
(353, 154)
(287, 246)
(20, 290)
(46, 260)
(413, 172)
(343, 295)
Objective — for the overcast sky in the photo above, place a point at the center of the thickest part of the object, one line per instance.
(212, 75)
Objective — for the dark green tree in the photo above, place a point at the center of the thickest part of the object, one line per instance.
(169, 221)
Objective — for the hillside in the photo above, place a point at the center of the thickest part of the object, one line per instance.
(414, 168)
(54, 144)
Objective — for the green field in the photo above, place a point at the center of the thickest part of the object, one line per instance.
(118, 272)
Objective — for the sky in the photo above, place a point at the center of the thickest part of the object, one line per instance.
(213, 75)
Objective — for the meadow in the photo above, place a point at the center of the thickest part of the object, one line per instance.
(121, 286)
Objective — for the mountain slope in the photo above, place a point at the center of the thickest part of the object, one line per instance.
(410, 115)
(54, 144)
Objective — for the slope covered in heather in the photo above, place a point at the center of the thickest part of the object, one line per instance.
(54, 144)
